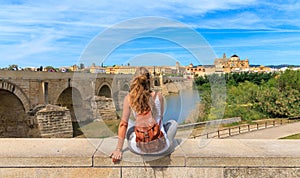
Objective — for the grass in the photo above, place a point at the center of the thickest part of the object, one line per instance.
(295, 136)
(231, 124)
(96, 129)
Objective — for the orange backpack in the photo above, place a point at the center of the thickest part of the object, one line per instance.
(149, 137)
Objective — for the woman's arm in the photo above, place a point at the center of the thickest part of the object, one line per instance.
(161, 100)
(117, 153)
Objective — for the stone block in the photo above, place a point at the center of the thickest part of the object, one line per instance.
(222, 153)
(101, 157)
(172, 172)
(54, 121)
(47, 152)
(59, 172)
(261, 172)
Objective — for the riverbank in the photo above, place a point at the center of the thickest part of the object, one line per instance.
(175, 87)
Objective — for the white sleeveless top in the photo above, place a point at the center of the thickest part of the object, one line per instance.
(132, 141)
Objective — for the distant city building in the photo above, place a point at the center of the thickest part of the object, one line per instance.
(195, 70)
(125, 69)
(221, 65)
(74, 68)
(97, 69)
(111, 70)
(209, 69)
(154, 70)
(296, 68)
(63, 69)
(260, 69)
(232, 64)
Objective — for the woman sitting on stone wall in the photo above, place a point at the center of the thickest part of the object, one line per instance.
(147, 135)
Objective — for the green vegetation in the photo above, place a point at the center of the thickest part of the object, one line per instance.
(97, 129)
(12, 67)
(231, 124)
(50, 68)
(254, 95)
(295, 136)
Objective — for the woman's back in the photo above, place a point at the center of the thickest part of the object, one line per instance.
(147, 120)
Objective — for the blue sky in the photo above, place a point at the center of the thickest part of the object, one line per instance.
(35, 33)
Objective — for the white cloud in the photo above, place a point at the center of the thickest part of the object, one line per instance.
(40, 27)
(244, 20)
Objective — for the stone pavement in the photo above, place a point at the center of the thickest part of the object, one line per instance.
(271, 133)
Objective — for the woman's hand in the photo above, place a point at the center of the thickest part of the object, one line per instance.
(116, 155)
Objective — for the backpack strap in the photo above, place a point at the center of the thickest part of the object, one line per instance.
(155, 94)
(161, 114)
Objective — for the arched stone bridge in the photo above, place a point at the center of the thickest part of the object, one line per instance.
(22, 91)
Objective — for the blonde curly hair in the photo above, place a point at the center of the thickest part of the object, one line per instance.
(140, 98)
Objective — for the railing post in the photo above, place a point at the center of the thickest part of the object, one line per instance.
(257, 125)
(248, 128)
(280, 121)
(239, 129)
(218, 133)
(266, 124)
(229, 132)
(273, 122)
(207, 135)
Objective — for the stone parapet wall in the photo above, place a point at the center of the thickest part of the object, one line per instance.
(192, 158)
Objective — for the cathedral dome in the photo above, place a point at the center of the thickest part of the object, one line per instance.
(234, 58)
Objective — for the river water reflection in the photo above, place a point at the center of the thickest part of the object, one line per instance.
(179, 106)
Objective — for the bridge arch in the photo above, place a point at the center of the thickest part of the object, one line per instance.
(8, 86)
(72, 99)
(125, 87)
(105, 90)
(13, 117)
(156, 82)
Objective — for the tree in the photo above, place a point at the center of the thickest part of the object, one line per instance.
(289, 80)
(13, 67)
(50, 69)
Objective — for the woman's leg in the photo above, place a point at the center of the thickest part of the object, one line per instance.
(130, 131)
(171, 129)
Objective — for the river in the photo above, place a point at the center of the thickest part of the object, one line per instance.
(179, 106)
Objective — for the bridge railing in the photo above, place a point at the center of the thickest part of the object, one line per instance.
(244, 128)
